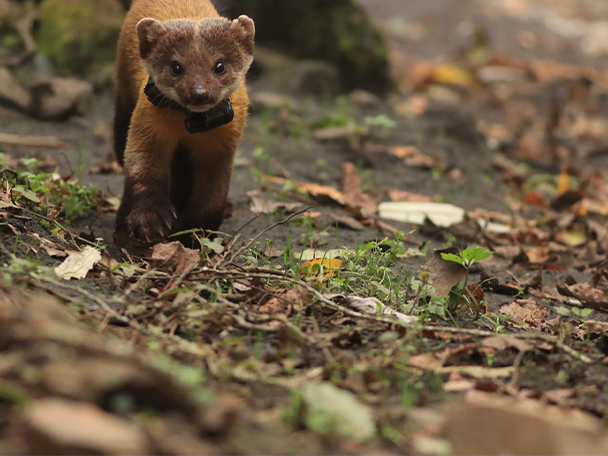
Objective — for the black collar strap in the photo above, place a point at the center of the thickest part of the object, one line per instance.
(196, 122)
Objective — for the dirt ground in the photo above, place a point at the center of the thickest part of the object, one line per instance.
(481, 87)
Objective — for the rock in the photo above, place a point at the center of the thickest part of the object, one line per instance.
(364, 99)
(79, 36)
(58, 98)
(270, 100)
(12, 94)
(316, 77)
(57, 426)
(338, 32)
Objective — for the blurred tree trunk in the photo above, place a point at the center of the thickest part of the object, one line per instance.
(338, 31)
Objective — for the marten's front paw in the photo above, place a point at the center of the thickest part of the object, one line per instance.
(151, 223)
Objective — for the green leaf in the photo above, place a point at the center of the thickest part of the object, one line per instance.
(451, 257)
(472, 255)
(583, 313)
(30, 195)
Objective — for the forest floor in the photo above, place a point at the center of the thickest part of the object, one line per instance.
(320, 320)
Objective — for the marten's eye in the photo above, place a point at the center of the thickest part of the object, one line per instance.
(220, 68)
(176, 69)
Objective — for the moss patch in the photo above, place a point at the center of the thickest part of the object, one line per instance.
(76, 34)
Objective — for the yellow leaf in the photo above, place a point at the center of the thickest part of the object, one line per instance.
(322, 268)
(575, 238)
(564, 183)
(452, 75)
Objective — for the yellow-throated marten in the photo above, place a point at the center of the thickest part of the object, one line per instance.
(181, 108)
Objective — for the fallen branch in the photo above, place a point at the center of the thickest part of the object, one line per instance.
(47, 142)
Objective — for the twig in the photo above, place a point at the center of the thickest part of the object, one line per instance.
(55, 222)
(265, 230)
(100, 302)
(237, 232)
(474, 332)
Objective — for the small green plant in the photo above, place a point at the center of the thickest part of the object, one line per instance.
(583, 313)
(383, 121)
(60, 196)
(337, 117)
(467, 258)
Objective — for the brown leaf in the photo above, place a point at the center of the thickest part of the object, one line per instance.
(586, 293)
(354, 195)
(476, 298)
(174, 257)
(527, 312)
(347, 222)
(411, 156)
(322, 193)
(409, 197)
(298, 297)
(504, 342)
(260, 205)
(444, 275)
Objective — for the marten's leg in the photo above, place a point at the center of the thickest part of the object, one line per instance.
(146, 213)
(207, 203)
(122, 119)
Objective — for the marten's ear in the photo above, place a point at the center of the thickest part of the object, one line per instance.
(149, 31)
(244, 27)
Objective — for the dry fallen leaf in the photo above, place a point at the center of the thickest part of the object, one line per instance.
(5, 200)
(322, 193)
(586, 293)
(371, 306)
(175, 258)
(411, 156)
(401, 196)
(444, 275)
(527, 312)
(78, 264)
(284, 303)
(354, 195)
(51, 248)
(261, 205)
(321, 268)
(347, 221)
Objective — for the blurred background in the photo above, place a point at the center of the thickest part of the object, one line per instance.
(499, 107)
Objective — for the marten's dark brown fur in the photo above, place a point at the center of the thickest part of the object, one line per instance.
(175, 180)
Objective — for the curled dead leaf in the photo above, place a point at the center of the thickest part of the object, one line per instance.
(444, 275)
(174, 257)
(78, 264)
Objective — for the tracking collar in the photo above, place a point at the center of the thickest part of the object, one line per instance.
(196, 122)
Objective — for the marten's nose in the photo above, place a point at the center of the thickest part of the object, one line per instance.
(199, 95)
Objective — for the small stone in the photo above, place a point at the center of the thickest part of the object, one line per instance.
(270, 100)
(364, 99)
(316, 77)
(60, 98)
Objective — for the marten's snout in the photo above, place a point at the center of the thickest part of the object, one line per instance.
(199, 96)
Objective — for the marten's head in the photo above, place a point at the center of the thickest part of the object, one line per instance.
(197, 63)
